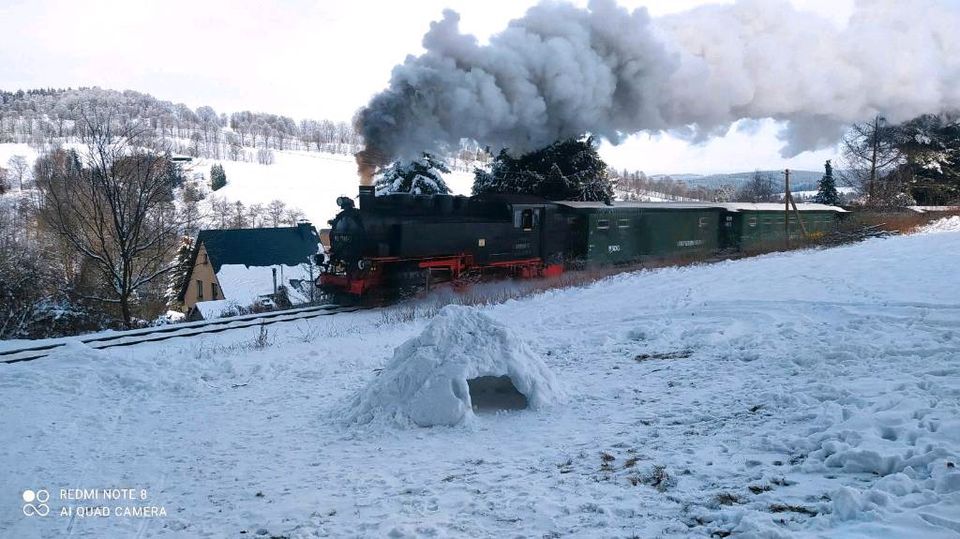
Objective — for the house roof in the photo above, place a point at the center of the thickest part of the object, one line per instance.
(288, 246)
(259, 246)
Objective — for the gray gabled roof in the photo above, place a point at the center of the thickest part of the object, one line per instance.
(288, 246)
(260, 246)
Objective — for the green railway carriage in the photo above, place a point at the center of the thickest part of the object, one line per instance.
(747, 226)
(634, 231)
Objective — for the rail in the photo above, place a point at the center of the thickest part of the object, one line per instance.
(189, 329)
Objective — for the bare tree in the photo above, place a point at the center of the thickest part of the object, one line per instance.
(275, 212)
(114, 204)
(234, 147)
(759, 188)
(265, 156)
(293, 216)
(239, 215)
(255, 215)
(18, 168)
(870, 152)
(222, 211)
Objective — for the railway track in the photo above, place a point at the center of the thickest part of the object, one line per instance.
(189, 329)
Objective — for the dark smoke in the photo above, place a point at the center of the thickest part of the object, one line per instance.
(561, 71)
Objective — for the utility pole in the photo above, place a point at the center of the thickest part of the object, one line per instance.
(786, 207)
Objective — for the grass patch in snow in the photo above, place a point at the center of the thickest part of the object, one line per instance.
(677, 354)
(787, 508)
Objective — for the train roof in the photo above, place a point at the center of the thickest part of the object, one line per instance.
(633, 204)
(777, 206)
(729, 206)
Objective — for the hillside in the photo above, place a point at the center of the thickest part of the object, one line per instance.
(800, 180)
(829, 410)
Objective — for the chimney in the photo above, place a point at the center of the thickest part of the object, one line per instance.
(367, 194)
(304, 228)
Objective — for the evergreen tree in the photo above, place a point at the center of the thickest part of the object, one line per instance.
(180, 271)
(418, 177)
(218, 178)
(566, 170)
(827, 194)
(931, 145)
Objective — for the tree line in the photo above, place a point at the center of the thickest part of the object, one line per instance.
(40, 117)
(89, 239)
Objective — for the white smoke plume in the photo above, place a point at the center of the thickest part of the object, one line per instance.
(562, 71)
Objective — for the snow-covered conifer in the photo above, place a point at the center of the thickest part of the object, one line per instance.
(419, 177)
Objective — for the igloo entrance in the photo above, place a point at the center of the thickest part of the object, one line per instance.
(490, 394)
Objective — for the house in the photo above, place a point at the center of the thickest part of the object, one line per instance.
(237, 270)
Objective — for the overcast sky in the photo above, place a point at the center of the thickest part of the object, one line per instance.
(307, 59)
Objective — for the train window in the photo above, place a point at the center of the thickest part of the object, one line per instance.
(703, 222)
(752, 221)
(603, 224)
(623, 223)
(526, 219)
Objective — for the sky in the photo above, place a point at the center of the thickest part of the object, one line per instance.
(311, 59)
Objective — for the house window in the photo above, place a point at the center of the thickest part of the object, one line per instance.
(214, 291)
(603, 224)
(203, 259)
(199, 290)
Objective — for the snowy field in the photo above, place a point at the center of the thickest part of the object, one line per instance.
(311, 181)
(814, 393)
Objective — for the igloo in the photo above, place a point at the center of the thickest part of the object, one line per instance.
(463, 363)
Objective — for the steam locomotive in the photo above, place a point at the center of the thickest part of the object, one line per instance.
(398, 241)
(403, 240)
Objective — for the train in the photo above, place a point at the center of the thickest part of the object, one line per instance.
(400, 242)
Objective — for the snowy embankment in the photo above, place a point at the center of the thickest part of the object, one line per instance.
(814, 393)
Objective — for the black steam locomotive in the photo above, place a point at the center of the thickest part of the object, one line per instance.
(403, 240)
(394, 242)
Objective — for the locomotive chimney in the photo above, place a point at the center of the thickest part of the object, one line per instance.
(367, 193)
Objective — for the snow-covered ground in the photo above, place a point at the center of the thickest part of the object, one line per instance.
(815, 393)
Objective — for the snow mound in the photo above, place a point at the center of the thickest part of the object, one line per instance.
(463, 362)
(947, 224)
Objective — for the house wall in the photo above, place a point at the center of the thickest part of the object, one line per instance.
(203, 271)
